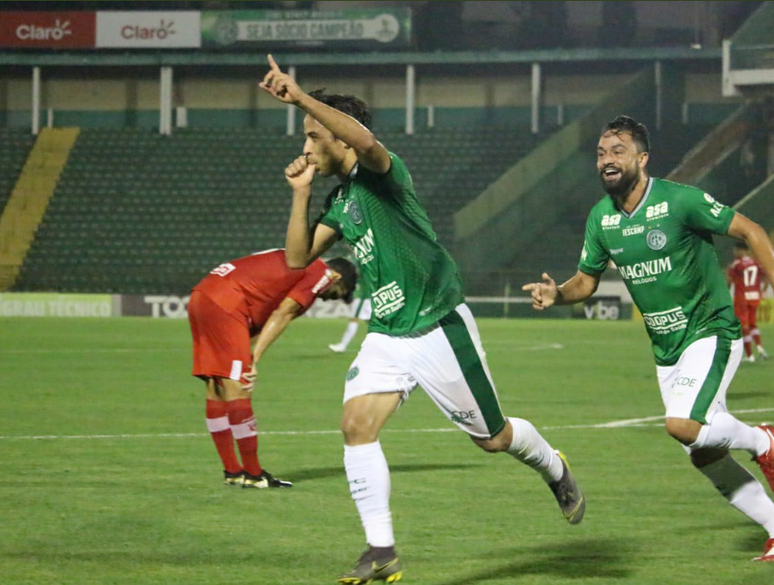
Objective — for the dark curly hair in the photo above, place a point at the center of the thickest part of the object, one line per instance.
(349, 275)
(349, 104)
(625, 124)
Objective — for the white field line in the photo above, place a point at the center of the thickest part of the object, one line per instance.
(617, 424)
(515, 344)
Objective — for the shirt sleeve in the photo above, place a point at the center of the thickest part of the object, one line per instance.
(315, 280)
(390, 184)
(594, 258)
(329, 214)
(703, 213)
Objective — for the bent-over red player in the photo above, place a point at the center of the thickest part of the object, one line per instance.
(255, 296)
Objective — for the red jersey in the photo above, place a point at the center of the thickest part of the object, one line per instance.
(746, 274)
(257, 284)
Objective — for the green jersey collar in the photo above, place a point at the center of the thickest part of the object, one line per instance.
(643, 199)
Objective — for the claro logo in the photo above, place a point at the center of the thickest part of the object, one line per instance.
(164, 30)
(60, 30)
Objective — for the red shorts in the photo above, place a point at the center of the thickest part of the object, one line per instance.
(221, 340)
(746, 312)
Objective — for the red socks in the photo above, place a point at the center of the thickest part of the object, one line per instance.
(220, 430)
(242, 421)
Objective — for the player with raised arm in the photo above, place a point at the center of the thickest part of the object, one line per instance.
(255, 296)
(420, 333)
(659, 235)
(746, 276)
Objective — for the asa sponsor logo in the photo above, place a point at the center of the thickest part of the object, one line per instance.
(633, 230)
(610, 222)
(648, 271)
(387, 300)
(664, 322)
(657, 211)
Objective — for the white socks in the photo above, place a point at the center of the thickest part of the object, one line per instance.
(369, 485)
(742, 490)
(726, 432)
(529, 447)
(349, 333)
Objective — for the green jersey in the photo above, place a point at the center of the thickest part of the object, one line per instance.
(413, 280)
(665, 254)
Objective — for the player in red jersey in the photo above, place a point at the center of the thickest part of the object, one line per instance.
(252, 297)
(749, 281)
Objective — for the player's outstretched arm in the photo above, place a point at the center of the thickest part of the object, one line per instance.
(370, 152)
(546, 293)
(743, 228)
(272, 329)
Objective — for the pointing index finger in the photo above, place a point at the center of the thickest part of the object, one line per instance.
(273, 63)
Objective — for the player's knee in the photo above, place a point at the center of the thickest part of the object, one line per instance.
(494, 445)
(355, 430)
(684, 430)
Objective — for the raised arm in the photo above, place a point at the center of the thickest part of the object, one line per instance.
(301, 246)
(757, 240)
(370, 152)
(546, 293)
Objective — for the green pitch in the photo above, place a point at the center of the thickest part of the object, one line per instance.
(107, 474)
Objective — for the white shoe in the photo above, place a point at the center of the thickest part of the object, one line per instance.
(749, 359)
(337, 348)
(762, 353)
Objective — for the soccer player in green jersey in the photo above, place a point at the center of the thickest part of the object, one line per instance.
(659, 235)
(420, 333)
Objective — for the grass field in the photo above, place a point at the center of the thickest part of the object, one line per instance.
(107, 474)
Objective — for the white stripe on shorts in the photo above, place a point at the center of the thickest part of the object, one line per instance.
(236, 370)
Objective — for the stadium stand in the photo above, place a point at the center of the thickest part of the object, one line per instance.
(140, 213)
(15, 145)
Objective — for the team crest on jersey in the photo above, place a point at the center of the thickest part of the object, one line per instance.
(354, 212)
(353, 373)
(656, 239)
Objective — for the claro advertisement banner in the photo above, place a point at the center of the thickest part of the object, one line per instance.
(138, 30)
(47, 30)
